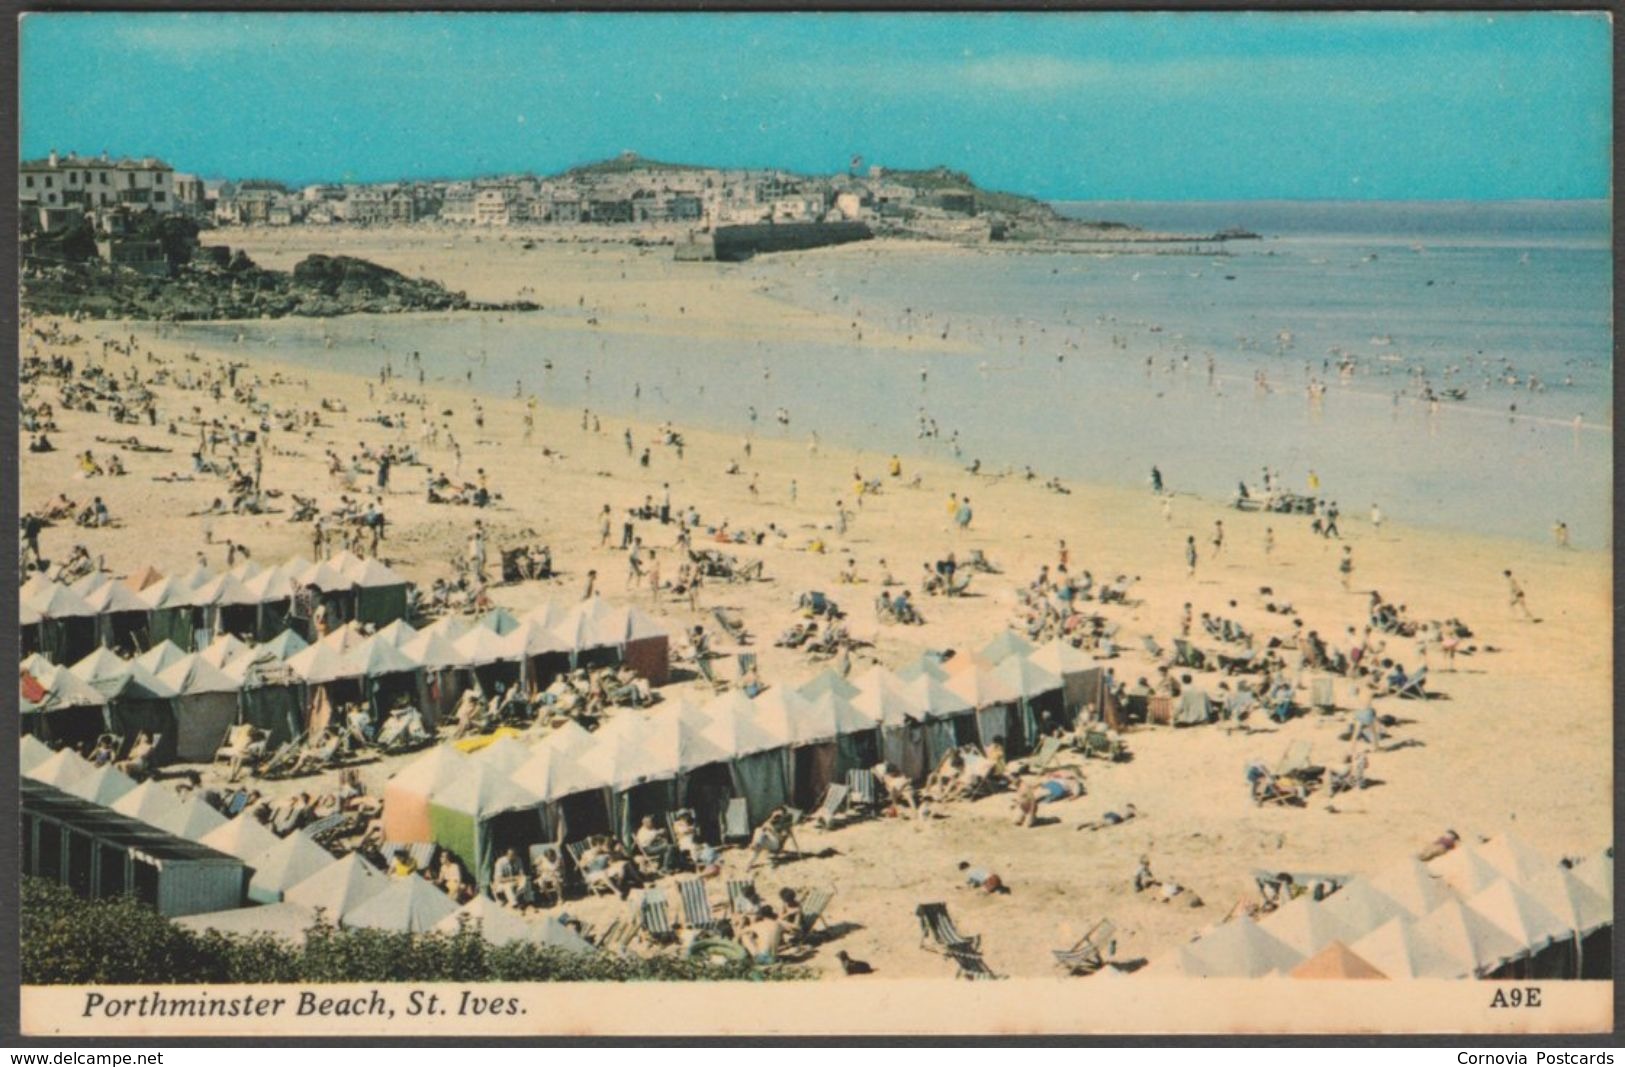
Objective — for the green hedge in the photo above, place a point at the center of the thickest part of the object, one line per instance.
(67, 940)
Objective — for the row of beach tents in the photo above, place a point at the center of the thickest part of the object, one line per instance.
(1498, 909)
(144, 609)
(786, 746)
(288, 686)
(292, 879)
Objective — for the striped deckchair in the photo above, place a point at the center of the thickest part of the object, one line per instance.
(696, 904)
(741, 896)
(654, 914)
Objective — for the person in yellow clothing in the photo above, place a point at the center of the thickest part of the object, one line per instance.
(1314, 482)
(953, 504)
(895, 468)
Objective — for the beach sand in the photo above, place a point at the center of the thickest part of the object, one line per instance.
(1520, 742)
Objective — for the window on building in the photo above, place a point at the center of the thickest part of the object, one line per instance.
(104, 177)
(73, 177)
(47, 181)
(131, 178)
(29, 181)
(159, 197)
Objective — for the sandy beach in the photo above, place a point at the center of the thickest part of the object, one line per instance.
(1520, 740)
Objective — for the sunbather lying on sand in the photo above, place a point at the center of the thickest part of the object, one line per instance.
(1111, 819)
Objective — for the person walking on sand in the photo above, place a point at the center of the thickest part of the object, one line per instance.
(1218, 537)
(1345, 566)
(634, 563)
(1269, 542)
(592, 580)
(603, 527)
(1190, 556)
(1560, 533)
(1376, 518)
(1515, 596)
(1167, 510)
(792, 490)
(963, 515)
(1156, 481)
(654, 576)
(476, 550)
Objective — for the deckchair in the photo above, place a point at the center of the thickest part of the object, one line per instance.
(1089, 953)
(697, 913)
(284, 759)
(702, 665)
(330, 826)
(654, 913)
(594, 881)
(235, 804)
(865, 791)
(834, 798)
(1188, 655)
(231, 744)
(1412, 687)
(741, 896)
(938, 933)
(971, 965)
(1151, 646)
(618, 936)
(1042, 756)
(736, 820)
(1101, 744)
(547, 863)
(814, 902)
(1294, 761)
(732, 627)
(958, 583)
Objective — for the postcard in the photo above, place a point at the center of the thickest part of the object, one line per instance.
(759, 524)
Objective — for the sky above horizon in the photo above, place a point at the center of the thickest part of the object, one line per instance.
(1153, 106)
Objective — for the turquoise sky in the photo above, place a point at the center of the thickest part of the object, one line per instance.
(1111, 106)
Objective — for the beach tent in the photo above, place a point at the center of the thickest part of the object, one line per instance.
(478, 813)
(62, 769)
(451, 627)
(1411, 884)
(270, 697)
(925, 664)
(381, 595)
(339, 887)
(143, 577)
(170, 617)
(1398, 951)
(812, 757)
(857, 735)
(197, 576)
(222, 650)
(498, 925)
(206, 707)
(284, 865)
(387, 675)
(103, 669)
(121, 615)
(1464, 870)
(406, 795)
(489, 659)
(1534, 927)
(104, 786)
(287, 922)
(1306, 926)
(827, 681)
(646, 646)
(60, 707)
(434, 652)
(65, 625)
(396, 633)
(31, 752)
(283, 644)
(1243, 949)
(161, 656)
(1039, 700)
(1515, 857)
(406, 906)
(756, 766)
(275, 587)
(504, 755)
(138, 701)
(196, 820)
(1082, 679)
(992, 696)
(1362, 908)
(570, 736)
(1338, 962)
(1597, 871)
(245, 570)
(244, 837)
(1467, 935)
(543, 654)
(153, 803)
(226, 606)
(498, 620)
(1006, 644)
(1588, 917)
(88, 583)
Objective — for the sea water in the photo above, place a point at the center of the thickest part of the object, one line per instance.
(1094, 364)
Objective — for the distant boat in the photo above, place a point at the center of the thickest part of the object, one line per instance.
(1385, 339)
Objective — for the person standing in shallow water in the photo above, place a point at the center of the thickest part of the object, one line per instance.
(1156, 481)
